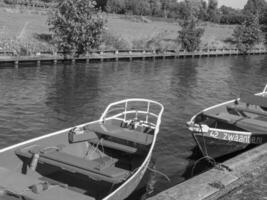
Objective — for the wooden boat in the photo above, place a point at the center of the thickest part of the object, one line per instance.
(232, 126)
(104, 159)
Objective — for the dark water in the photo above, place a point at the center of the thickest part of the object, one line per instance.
(38, 100)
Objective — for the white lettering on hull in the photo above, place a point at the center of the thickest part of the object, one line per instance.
(232, 136)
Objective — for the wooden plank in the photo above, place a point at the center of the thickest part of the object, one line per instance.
(121, 133)
(75, 164)
(242, 109)
(254, 100)
(16, 182)
(115, 145)
(247, 124)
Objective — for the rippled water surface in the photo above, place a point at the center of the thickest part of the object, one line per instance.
(38, 100)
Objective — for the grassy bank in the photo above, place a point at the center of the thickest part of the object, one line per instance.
(22, 29)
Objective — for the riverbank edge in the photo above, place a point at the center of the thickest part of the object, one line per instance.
(122, 55)
(218, 182)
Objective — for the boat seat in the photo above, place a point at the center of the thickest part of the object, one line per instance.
(115, 145)
(241, 109)
(229, 118)
(248, 124)
(81, 137)
(18, 186)
(121, 133)
(14, 181)
(254, 100)
(100, 169)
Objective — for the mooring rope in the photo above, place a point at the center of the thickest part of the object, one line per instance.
(160, 173)
(211, 160)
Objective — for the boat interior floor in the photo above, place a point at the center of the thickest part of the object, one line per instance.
(30, 188)
(92, 163)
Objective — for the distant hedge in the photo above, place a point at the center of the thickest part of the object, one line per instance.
(232, 19)
(32, 3)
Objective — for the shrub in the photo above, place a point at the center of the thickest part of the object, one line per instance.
(190, 35)
(76, 25)
(232, 19)
(116, 6)
(111, 41)
(247, 34)
(23, 46)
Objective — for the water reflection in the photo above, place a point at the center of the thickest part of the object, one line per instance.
(38, 100)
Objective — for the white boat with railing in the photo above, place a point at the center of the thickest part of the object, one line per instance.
(104, 159)
(231, 126)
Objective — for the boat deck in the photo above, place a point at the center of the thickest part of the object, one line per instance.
(25, 187)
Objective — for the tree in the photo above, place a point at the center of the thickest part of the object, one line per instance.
(247, 34)
(165, 4)
(231, 16)
(76, 25)
(101, 4)
(255, 6)
(138, 7)
(116, 6)
(155, 7)
(186, 10)
(190, 35)
(202, 12)
(264, 23)
(213, 12)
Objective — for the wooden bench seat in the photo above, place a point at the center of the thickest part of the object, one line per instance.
(115, 145)
(248, 124)
(19, 184)
(96, 169)
(254, 100)
(229, 118)
(121, 133)
(241, 109)
(14, 181)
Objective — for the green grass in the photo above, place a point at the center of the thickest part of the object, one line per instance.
(24, 24)
(13, 21)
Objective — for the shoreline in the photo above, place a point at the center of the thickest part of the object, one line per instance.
(119, 55)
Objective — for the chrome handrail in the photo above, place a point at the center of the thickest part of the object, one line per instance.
(129, 110)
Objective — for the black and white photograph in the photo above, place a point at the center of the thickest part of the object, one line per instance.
(133, 99)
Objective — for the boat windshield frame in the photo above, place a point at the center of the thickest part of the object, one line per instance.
(128, 110)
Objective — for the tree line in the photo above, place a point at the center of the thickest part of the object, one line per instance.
(202, 9)
(245, 36)
(77, 25)
(205, 10)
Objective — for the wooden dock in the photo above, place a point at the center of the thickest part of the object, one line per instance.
(9, 58)
(219, 181)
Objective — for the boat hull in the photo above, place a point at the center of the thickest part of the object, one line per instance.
(228, 128)
(8, 159)
(131, 185)
(218, 148)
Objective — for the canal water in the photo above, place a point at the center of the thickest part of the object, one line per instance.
(38, 100)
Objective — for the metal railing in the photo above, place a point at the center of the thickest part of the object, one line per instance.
(141, 107)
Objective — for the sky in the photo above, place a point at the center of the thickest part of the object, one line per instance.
(233, 3)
